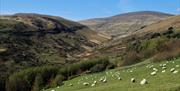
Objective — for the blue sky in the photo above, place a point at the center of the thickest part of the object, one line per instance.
(85, 9)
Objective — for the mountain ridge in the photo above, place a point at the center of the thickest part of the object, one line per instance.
(123, 24)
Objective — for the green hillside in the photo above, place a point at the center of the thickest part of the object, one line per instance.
(167, 81)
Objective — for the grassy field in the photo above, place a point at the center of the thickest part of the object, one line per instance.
(166, 81)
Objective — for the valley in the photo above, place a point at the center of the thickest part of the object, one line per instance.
(49, 53)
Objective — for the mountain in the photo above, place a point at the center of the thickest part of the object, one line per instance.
(168, 28)
(161, 26)
(33, 39)
(126, 23)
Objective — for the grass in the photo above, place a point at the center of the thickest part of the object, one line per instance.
(160, 82)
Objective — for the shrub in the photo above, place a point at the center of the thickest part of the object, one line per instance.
(38, 83)
(110, 66)
(17, 83)
(25, 79)
(131, 58)
(34, 79)
(58, 80)
(167, 55)
(2, 83)
(97, 68)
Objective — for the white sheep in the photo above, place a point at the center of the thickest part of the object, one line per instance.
(101, 79)
(133, 80)
(85, 83)
(144, 81)
(52, 90)
(119, 78)
(172, 69)
(163, 67)
(95, 82)
(131, 71)
(105, 80)
(175, 72)
(93, 85)
(153, 73)
(160, 65)
(177, 66)
(163, 71)
(151, 66)
(155, 69)
(70, 84)
(57, 86)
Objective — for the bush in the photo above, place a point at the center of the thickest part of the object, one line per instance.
(97, 68)
(25, 79)
(58, 80)
(131, 58)
(167, 55)
(34, 79)
(38, 83)
(110, 66)
(17, 83)
(2, 83)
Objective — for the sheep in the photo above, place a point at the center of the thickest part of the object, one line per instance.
(105, 80)
(52, 90)
(153, 73)
(117, 73)
(163, 71)
(70, 84)
(101, 79)
(163, 67)
(175, 72)
(172, 69)
(119, 78)
(155, 69)
(93, 85)
(177, 66)
(147, 66)
(133, 80)
(112, 75)
(57, 86)
(131, 71)
(95, 82)
(144, 81)
(85, 83)
(151, 66)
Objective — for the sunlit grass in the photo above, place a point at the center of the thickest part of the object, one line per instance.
(160, 82)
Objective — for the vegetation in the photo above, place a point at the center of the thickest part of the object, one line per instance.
(37, 40)
(163, 47)
(50, 76)
(45, 45)
(160, 82)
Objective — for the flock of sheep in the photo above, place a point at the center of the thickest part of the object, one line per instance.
(94, 79)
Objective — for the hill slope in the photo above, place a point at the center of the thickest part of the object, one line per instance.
(162, 81)
(161, 26)
(125, 23)
(166, 29)
(32, 39)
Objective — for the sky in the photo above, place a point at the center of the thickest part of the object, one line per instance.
(87, 9)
